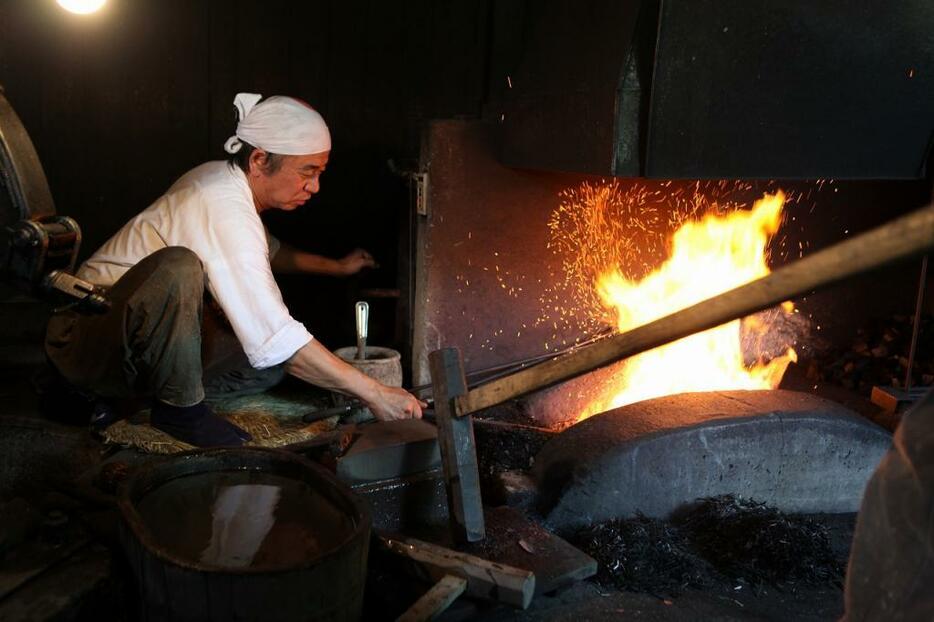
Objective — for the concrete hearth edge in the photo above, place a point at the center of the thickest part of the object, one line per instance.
(791, 450)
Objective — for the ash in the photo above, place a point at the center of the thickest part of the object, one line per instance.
(722, 540)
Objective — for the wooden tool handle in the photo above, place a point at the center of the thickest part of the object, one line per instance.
(901, 239)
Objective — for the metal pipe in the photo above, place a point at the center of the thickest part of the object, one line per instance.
(917, 323)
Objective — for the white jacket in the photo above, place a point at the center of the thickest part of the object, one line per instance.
(210, 211)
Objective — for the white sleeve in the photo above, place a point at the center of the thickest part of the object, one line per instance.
(273, 242)
(234, 251)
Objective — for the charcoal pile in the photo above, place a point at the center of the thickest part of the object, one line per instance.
(747, 540)
(506, 447)
(643, 555)
(719, 540)
(878, 356)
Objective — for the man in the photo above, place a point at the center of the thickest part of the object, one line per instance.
(204, 240)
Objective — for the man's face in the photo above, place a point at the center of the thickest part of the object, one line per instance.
(292, 184)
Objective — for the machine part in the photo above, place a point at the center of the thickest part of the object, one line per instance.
(37, 247)
(40, 256)
(421, 193)
(90, 299)
(38, 250)
(24, 190)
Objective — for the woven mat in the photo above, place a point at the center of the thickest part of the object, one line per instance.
(274, 420)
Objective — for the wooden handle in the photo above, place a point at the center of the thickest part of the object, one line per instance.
(901, 239)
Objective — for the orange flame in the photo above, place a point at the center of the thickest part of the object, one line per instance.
(708, 257)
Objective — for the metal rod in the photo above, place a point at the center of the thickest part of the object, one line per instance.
(917, 323)
(337, 411)
(503, 370)
(506, 369)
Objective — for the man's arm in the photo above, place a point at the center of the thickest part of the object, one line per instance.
(289, 259)
(314, 364)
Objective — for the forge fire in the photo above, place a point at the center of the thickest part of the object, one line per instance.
(630, 270)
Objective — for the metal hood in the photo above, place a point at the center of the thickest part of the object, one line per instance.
(791, 89)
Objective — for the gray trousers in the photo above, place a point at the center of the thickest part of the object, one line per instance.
(161, 339)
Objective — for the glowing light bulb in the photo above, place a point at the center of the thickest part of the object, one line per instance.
(82, 7)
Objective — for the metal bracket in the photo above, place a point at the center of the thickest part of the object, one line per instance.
(421, 193)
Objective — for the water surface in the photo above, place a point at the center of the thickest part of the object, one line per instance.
(243, 519)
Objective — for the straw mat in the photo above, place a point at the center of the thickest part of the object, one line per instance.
(274, 419)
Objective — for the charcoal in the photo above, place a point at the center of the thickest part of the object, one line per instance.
(721, 541)
(507, 444)
(878, 356)
(643, 555)
(747, 540)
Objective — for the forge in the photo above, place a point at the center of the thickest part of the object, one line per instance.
(791, 450)
(525, 279)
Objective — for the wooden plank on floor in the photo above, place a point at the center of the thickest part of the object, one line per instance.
(436, 600)
(485, 579)
(515, 540)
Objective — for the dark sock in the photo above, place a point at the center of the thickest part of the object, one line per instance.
(196, 425)
(103, 416)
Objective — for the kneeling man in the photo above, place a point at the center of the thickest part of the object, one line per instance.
(195, 304)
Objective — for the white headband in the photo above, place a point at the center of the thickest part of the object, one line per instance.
(282, 125)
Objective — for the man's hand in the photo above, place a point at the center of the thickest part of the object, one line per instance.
(392, 403)
(355, 261)
(314, 364)
(291, 260)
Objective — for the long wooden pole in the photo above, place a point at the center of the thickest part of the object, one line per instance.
(898, 240)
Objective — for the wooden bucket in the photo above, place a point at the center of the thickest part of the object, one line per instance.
(174, 586)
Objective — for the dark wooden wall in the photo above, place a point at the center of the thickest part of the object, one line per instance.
(121, 103)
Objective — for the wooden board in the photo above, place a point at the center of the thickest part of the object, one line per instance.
(436, 600)
(485, 579)
(515, 540)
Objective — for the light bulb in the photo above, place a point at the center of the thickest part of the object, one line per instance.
(82, 7)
